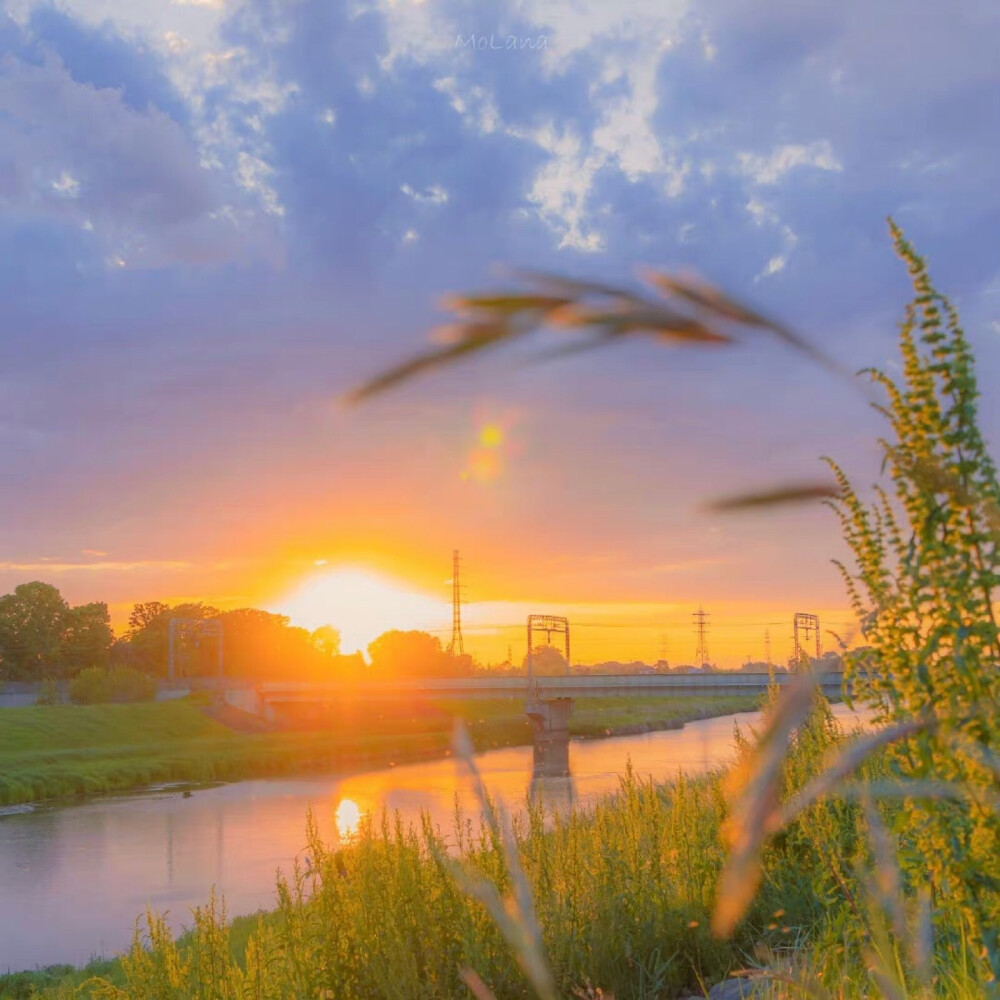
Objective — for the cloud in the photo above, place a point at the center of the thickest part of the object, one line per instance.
(46, 566)
(79, 154)
(771, 168)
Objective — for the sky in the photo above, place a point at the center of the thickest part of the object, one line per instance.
(218, 217)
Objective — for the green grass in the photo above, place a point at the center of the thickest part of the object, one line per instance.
(595, 717)
(81, 750)
(623, 892)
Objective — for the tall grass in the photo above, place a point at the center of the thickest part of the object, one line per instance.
(623, 893)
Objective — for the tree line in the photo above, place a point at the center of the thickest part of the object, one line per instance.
(43, 638)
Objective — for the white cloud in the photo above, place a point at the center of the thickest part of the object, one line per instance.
(771, 168)
(760, 213)
(780, 260)
(80, 153)
(66, 185)
(561, 188)
(51, 566)
(434, 195)
(253, 174)
(475, 106)
(224, 130)
(628, 40)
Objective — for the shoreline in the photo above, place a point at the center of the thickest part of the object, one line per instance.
(232, 757)
(103, 965)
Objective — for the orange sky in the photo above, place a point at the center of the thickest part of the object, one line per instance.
(600, 536)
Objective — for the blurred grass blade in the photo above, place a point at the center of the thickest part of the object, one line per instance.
(756, 811)
(502, 304)
(848, 761)
(923, 937)
(791, 493)
(888, 881)
(573, 288)
(711, 300)
(476, 337)
(607, 312)
(477, 987)
(916, 788)
(515, 917)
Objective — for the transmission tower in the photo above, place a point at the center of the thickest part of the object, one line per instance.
(456, 645)
(664, 647)
(767, 646)
(701, 630)
(804, 628)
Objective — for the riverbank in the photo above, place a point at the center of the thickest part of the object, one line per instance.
(70, 751)
(622, 890)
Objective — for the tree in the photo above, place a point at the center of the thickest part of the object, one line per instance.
(261, 644)
(408, 654)
(33, 620)
(143, 615)
(149, 638)
(41, 636)
(327, 640)
(927, 564)
(546, 661)
(87, 638)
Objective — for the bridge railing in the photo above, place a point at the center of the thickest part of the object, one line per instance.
(561, 685)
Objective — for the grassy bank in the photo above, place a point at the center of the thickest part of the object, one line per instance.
(68, 750)
(623, 894)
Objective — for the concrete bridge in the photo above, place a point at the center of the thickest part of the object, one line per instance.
(266, 699)
(548, 700)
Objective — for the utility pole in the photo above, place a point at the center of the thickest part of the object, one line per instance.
(196, 627)
(456, 645)
(547, 624)
(664, 647)
(804, 628)
(701, 630)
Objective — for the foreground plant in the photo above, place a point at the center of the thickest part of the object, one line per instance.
(928, 564)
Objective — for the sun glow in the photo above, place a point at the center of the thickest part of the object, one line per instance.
(362, 605)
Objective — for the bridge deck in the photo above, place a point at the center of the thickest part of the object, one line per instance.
(254, 697)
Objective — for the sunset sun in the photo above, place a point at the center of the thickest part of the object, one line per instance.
(362, 605)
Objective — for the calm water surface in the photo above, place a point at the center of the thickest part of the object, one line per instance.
(74, 878)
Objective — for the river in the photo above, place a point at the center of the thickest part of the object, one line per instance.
(73, 878)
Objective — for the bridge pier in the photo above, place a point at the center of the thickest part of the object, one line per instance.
(550, 734)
